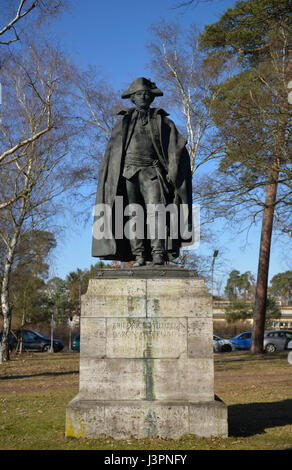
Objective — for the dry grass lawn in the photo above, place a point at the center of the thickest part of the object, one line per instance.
(35, 389)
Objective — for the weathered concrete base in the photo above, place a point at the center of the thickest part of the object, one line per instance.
(146, 358)
(142, 419)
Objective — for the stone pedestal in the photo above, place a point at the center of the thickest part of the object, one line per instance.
(146, 358)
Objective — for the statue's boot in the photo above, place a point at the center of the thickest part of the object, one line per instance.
(140, 261)
(158, 259)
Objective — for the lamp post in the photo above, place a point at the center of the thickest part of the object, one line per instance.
(212, 270)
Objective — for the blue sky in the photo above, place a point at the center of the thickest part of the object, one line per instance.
(113, 35)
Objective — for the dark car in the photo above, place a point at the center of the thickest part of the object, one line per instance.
(76, 343)
(277, 340)
(242, 341)
(33, 341)
(12, 340)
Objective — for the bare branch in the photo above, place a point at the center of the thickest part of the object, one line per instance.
(19, 15)
(24, 143)
(178, 64)
(188, 3)
(25, 8)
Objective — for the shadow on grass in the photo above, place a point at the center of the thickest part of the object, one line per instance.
(46, 374)
(253, 418)
(247, 356)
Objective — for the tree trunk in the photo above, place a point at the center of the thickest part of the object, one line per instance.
(20, 344)
(263, 266)
(4, 352)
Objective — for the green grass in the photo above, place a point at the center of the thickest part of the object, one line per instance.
(36, 388)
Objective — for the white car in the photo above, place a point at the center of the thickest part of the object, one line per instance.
(222, 345)
(216, 346)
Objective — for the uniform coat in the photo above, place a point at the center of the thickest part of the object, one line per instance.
(174, 160)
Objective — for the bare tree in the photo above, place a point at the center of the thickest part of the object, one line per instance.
(102, 101)
(15, 140)
(189, 83)
(96, 105)
(21, 16)
(18, 10)
(38, 86)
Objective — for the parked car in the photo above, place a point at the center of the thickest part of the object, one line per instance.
(216, 347)
(223, 345)
(12, 341)
(76, 343)
(242, 341)
(33, 341)
(277, 340)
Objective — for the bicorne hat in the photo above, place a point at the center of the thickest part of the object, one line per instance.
(142, 84)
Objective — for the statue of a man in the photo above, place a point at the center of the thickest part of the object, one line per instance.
(147, 163)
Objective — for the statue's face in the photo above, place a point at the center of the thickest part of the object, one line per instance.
(142, 99)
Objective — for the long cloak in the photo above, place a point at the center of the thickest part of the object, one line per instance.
(174, 160)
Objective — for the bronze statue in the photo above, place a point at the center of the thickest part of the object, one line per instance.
(146, 162)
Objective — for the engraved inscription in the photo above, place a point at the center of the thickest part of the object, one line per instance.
(146, 338)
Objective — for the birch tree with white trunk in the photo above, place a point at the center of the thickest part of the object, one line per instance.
(37, 89)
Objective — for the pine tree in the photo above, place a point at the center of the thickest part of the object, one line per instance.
(254, 117)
